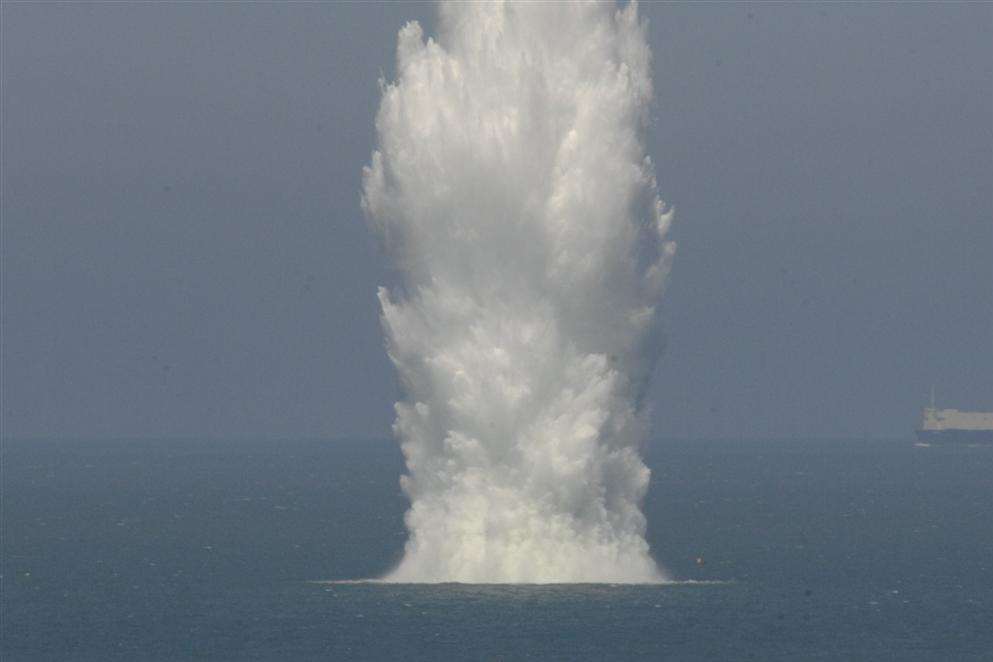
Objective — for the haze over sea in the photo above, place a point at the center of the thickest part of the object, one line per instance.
(205, 549)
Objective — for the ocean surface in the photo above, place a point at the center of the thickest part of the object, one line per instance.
(221, 550)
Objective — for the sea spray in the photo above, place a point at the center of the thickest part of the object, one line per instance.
(512, 191)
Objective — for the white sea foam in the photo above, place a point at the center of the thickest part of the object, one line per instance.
(512, 191)
(386, 581)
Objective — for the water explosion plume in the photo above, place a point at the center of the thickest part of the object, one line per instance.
(512, 191)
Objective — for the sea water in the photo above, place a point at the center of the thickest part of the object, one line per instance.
(242, 550)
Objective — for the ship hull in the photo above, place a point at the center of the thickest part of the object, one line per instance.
(957, 437)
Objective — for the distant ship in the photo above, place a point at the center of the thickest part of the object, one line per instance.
(951, 426)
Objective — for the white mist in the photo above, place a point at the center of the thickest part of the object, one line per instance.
(512, 191)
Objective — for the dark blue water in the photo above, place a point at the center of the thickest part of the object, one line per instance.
(208, 550)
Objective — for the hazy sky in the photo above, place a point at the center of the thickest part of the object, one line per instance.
(184, 254)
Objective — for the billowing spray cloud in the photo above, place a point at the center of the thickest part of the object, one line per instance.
(512, 191)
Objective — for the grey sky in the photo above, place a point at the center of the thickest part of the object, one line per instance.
(184, 254)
